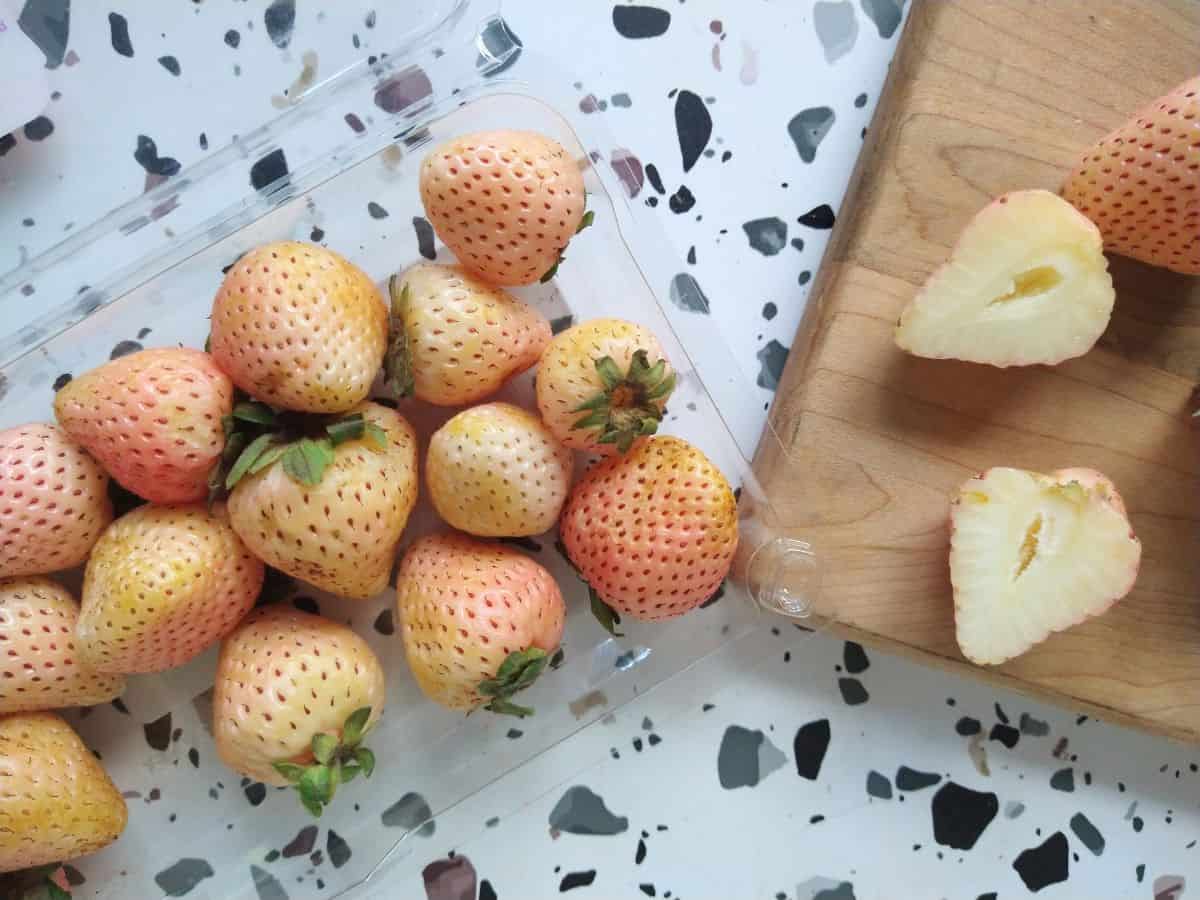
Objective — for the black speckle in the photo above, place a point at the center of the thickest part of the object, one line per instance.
(772, 358)
(819, 217)
(265, 884)
(385, 622)
(768, 236)
(158, 732)
(403, 90)
(682, 200)
(317, 234)
(337, 848)
(878, 786)
(233, 37)
(653, 740)
(39, 129)
(647, 889)
(967, 726)
(302, 843)
(7, 142)
(171, 64)
(561, 323)
(853, 692)
(655, 179)
(355, 123)
(960, 815)
(855, 658)
(691, 255)
(914, 780)
(424, 232)
(268, 169)
(1138, 824)
(1140, 871)
(693, 125)
(708, 707)
(813, 820)
(637, 744)
(639, 855)
(769, 311)
(492, 822)
(306, 605)
(194, 757)
(1001, 714)
(1005, 734)
(798, 243)
(271, 856)
(256, 792)
(804, 277)
(315, 858)
(118, 32)
(513, 733)
(376, 211)
(860, 101)
(885, 14)
(1087, 833)
(486, 891)
(280, 18)
(686, 293)
(179, 879)
(573, 880)
(809, 746)
(1063, 780)
(640, 21)
(146, 156)
(61, 382)
(1045, 864)
(808, 128)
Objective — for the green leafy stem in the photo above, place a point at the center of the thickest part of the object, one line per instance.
(336, 761)
(628, 406)
(257, 436)
(588, 218)
(519, 670)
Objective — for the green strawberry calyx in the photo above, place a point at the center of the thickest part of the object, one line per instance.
(336, 761)
(520, 669)
(257, 436)
(630, 404)
(39, 883)
(585, 222)
(397, 362)
(608, 617)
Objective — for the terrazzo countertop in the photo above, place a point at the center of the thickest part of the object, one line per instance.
(786, 765)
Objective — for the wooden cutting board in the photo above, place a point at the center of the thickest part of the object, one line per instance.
(983, 98)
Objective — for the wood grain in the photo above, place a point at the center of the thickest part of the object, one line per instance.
(983, 98)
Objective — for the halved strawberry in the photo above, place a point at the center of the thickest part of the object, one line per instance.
(1031, 554)
(1141, 183)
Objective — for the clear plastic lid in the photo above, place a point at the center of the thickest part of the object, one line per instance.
(150, 269)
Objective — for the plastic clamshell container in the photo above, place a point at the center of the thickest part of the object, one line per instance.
(151, 269)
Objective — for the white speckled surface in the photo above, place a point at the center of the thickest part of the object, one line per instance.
(746, 798)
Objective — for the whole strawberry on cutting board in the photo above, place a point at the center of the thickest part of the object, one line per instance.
(56, 801)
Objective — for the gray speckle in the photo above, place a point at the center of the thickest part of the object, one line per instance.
(280, 18)
(1087, 833)
(1033, 727)
(687, 295)
(772, 359)
(118, 32)
(808, 128)
(267, 885)
(4, 385)
(768, 236)
(622, 100)
(837, 28)
(39, 129)
(1063, 780)
(124, 348)
(171, 64)
(580, 811)
(885, 14)
(746, 757)
(580, 705)
(1013, 809)
(48, 24)
(233, 38)
(178, 880)
(376, 211)
(629, 169)
(878, 786)
(424, 232)
(337, 848)
(409, 812)
(914, 780)
(821, 888)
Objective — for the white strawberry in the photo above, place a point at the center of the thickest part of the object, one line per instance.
(1026, 283)
(1031, 554)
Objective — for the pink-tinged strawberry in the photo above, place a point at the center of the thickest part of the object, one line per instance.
(329, 507)
(652, 532)
(53, 501)
(40, 667)
(295, 695)
(1027, 283)
(496, 471)
(57, 803)
(163, 584)
(480, 621)
(299, 327)
(152, 419)
(1032, 554)
(1141, 184)
(454, 339)
(602, 384)
(506, 203)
